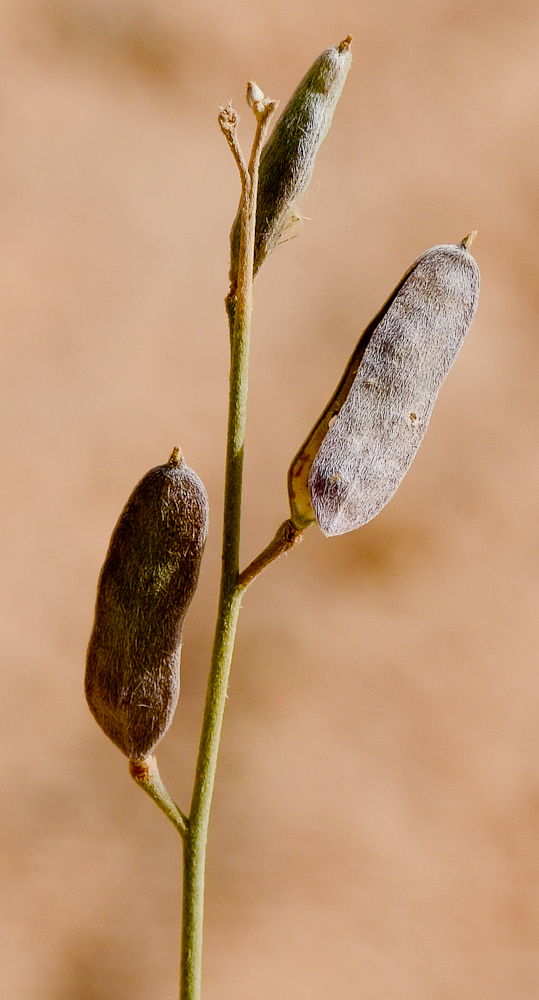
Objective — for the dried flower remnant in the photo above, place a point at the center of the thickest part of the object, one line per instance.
(145, 588)
(287, 160)
(363, 444)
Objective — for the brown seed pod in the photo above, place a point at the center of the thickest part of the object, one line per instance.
(287, 160)
(363, 444)
(146, 585)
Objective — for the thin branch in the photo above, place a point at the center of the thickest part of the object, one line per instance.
(228, 119)
(243, 304)
(287, 535)
(241, 328)
(147, 776)
(263, 108)
(230, 592)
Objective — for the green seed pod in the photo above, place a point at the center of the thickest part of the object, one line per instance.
(364, 443)
(146, 585)
(287, 160)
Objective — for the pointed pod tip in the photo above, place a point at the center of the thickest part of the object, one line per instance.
(468, 240)
(346, 43)
(176, 457)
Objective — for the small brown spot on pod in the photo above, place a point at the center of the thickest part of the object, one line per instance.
(406, 351)
(145, 588)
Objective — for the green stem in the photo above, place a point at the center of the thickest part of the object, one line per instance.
(286, 536)
(146, 774)
(195, 840)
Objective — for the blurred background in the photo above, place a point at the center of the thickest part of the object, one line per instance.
(375, 831)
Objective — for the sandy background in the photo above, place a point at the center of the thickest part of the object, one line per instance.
(375, 832)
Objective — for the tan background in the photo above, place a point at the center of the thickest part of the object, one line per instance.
(375, 832)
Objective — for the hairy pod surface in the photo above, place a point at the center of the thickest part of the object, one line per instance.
(287, 160)
(363, 444)
(146, 585)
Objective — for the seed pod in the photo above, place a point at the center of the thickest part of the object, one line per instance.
(287, 160)
(363, 444)
(146, 585)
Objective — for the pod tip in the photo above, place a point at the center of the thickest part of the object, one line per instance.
(468, 240)
(346, 43)
(176, 457)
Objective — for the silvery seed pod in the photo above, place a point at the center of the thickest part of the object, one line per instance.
(363, 444)
(287, 160)
(146, 585)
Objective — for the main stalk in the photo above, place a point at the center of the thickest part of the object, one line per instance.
(239, 306)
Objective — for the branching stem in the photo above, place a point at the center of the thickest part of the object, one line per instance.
(239, 304)
(231, 591)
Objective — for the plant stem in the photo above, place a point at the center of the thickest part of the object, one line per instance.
(230, 593)
(146, 774)
(286, 536)
(195, 842)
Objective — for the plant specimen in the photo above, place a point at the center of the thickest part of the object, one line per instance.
(348, 468)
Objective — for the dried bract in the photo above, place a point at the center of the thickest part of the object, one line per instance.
(363, 444)
(146, 585)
